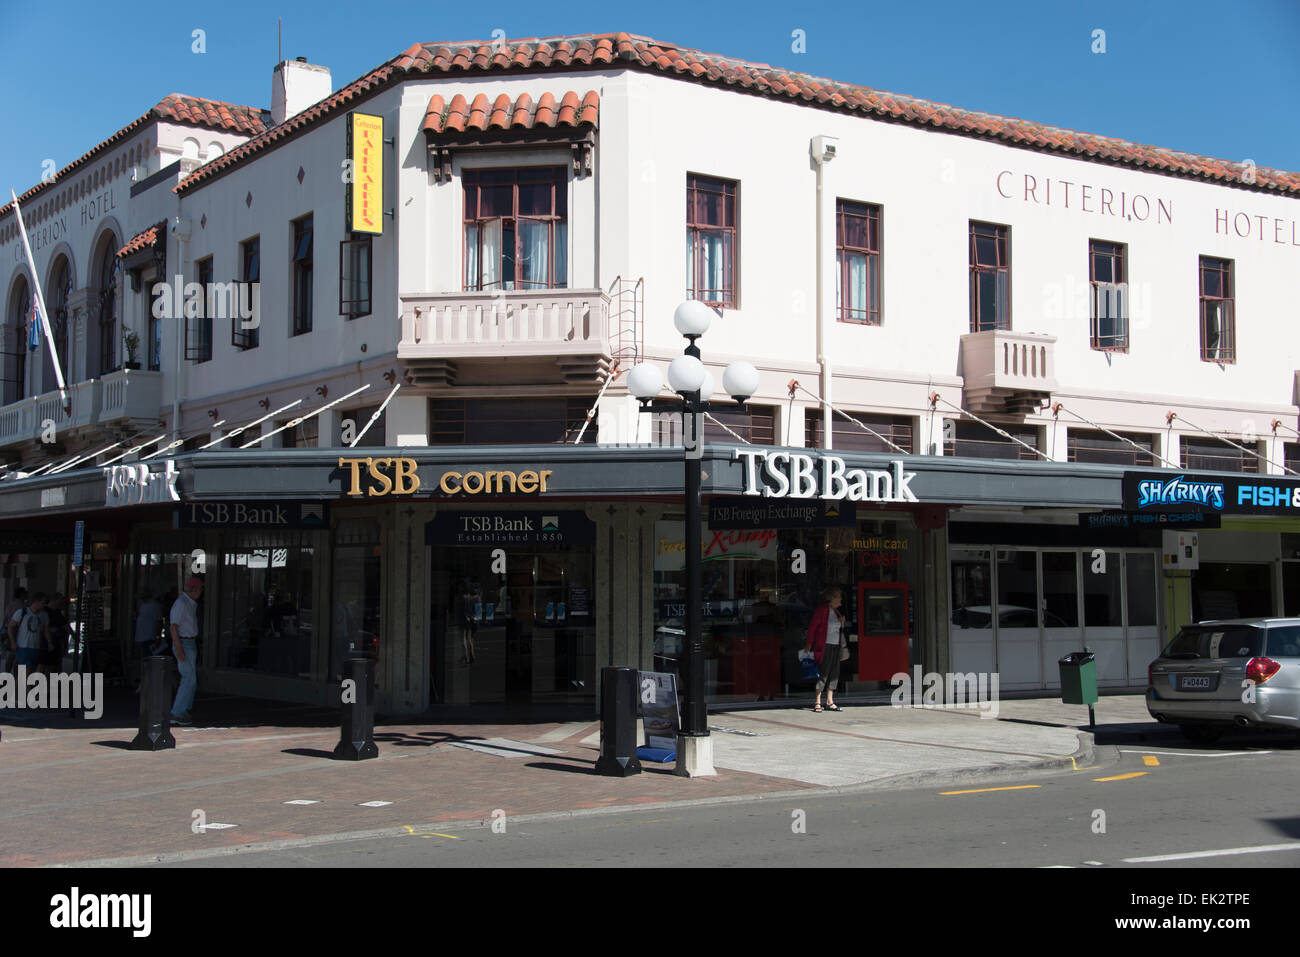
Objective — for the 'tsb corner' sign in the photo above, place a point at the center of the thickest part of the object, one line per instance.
(793, 475)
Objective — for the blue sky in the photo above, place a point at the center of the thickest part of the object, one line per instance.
(1206, 77)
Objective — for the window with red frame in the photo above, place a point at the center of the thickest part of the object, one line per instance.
(516, 228)
(711, 241)
(1218, 322)
(857, 254)
(990, 278)
(1108, 273)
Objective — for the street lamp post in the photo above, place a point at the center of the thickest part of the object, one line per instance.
(688, 377)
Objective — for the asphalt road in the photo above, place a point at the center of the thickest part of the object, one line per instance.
(1167, 805)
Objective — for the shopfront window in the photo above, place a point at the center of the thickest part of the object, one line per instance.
(355, 595)
(756, 608)
(265, 605)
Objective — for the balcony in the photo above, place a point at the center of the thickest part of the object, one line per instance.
(121, 402)
(1007, 372)
(548, 336)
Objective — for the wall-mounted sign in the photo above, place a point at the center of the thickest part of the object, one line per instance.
(386, 476)
(136, 485)
(1257, 495)
(715, 545)
(492, 529)
(795, 475)
(253, 514)
(54, 497)
(740, 512)
(1192, 518)
(400, 476)
(366, 186)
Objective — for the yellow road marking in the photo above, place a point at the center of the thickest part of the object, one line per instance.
(1150, 760)
(1075, 765)
(1017, 787)
(411, 831)
(1123, 777)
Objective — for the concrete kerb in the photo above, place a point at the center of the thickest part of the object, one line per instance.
(1085, 754)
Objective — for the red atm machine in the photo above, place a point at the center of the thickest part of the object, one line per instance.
(884, 636)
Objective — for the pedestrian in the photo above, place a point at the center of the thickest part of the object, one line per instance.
(60, 632)
(826, 642)
(184, 628)
(29, 632)
(148, 628)
(16, 604)
(468, 622)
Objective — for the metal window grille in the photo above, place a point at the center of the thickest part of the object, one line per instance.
(975, 440)
(1201, 453)
(1085, 445)
(847, 437)
(532, 421)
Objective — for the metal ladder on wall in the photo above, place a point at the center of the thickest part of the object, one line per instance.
(627, 307)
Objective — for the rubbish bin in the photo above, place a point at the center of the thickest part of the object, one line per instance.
(1079, 678)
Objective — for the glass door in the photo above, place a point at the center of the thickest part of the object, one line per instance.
(1019, 659)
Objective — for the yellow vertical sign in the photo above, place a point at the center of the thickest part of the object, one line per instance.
(366, 190)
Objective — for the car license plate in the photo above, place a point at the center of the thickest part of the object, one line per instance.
(1196, 683)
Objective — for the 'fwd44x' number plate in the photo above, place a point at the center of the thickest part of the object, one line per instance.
(1195, 683)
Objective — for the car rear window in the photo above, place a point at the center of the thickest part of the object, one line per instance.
(1228, 642)
(1284, 642)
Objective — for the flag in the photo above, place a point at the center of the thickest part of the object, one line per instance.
(33, 327)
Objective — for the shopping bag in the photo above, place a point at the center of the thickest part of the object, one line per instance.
(810, 668)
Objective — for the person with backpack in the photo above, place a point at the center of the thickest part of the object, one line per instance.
(29, 632)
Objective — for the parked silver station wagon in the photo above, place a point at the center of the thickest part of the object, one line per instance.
(1243, 672)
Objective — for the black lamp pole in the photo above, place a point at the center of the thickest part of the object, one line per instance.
(695, 716)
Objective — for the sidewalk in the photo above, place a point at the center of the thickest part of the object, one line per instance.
(73, 793)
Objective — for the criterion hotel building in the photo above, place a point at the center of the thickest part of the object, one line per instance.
(361, 359)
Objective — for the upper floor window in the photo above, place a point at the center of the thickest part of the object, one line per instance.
(1108, 273)
(510, 422)
(354, 277)
(107, 279)
(302, 275)
(1087, 445)
(857, 254)
(21, 324)
(516, 228)
(57, 303)
(886, 432)
(711, 240)
(990, 277)
(1206, 454)
(198, 329)
(1218, 324)
(979, 441)
(242, 335)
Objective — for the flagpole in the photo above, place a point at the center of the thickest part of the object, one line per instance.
(40, 304)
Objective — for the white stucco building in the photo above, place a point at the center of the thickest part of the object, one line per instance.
(964, 285)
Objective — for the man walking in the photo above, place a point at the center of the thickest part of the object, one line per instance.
(184, 620)
(29, 632)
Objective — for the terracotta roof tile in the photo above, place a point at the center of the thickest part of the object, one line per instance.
(145, 239)
(458, 116)
(637, 52)
(176, 108)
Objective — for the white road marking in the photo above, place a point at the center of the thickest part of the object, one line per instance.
(1094, 863)
(1190, 754)
(216, 827)
(302, 801)
(374, 804)
(1226, 852)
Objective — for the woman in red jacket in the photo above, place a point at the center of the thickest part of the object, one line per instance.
(825, 641)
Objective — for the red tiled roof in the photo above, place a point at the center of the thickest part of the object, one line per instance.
(174, 108)
(460, 115)
(623, 50)
(143, 240)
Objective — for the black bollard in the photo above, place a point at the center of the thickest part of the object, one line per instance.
(357, 741)
(155, 706)
(618, 694)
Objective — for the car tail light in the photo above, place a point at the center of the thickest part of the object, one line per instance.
(1260, 670)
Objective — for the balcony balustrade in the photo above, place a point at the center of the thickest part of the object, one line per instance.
(1007, 372)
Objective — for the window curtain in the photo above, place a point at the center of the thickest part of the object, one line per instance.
(857, 286)
(483, 247)
(714, 260)
(534, 253)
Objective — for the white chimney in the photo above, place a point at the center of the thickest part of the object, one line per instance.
(296, 85)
